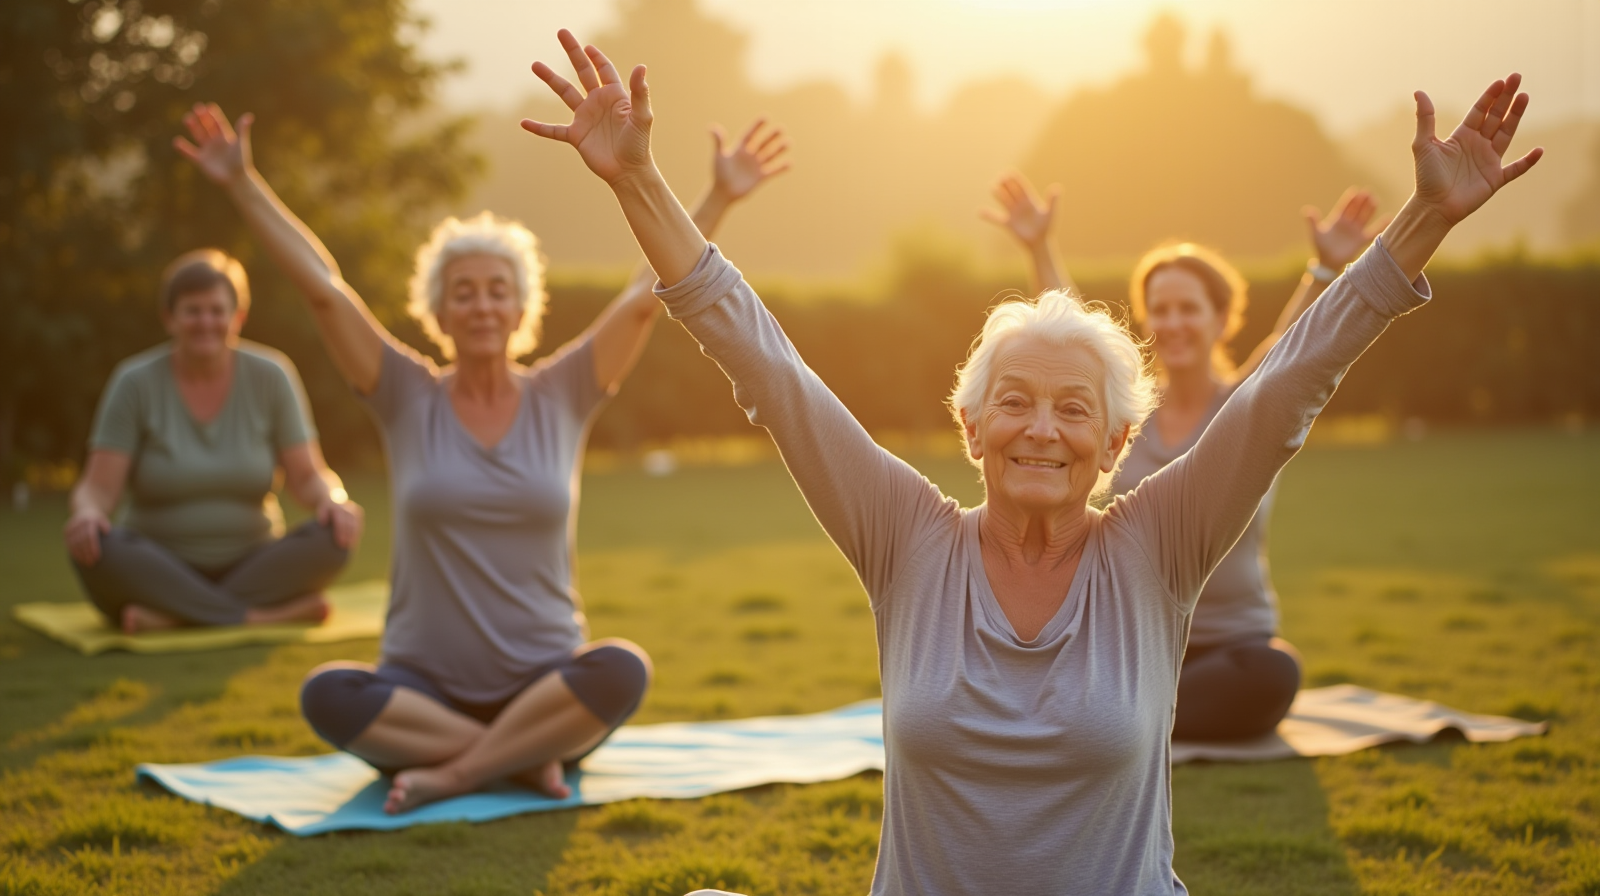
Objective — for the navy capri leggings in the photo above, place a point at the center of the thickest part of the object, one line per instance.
(608, 680)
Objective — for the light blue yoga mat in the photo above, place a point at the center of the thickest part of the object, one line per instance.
(677, 760)
(682, 760)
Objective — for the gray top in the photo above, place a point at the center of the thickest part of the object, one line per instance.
(482, 579)
(1238, 602)
(1041, 764)
(203, 490)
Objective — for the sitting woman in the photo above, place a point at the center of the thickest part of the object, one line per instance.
(198, 428)
(1239, 678)
(1030, 647)
(486, 669)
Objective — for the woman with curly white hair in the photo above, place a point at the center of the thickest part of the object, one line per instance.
(486, 670)
(1030, 646)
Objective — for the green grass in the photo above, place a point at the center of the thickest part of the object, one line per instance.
(1464, 568)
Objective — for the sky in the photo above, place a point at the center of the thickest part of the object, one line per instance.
(1349, 62)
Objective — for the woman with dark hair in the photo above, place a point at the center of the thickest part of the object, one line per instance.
(195, 431)
(1239, 678)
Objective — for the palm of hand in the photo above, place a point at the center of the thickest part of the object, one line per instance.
(739, 172)
(1458, 175)
(220, 158)
(1339, 243)
(1028, 222)
(605, 134)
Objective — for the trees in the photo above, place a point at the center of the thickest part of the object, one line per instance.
(94, 202)
(1174, 152)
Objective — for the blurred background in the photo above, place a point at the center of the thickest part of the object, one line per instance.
(1211, 120)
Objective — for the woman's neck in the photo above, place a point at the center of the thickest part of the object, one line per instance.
(482, 379)
(1189, 387)
(196, 368)
(1038, 541)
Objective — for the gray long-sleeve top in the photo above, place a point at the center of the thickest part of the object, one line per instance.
(1032, 766)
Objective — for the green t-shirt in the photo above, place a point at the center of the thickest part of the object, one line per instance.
(203, 490)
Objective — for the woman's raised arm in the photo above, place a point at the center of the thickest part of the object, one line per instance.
(1194, 509)
(353, 336)
(874, 506)
(1338, 239)
(1028, 217)
(623, 328)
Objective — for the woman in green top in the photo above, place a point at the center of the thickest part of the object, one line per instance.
(195, 430)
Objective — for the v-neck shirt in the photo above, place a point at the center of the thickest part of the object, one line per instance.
(203, 489)
(1238, 602)
(1038, 766)
(482, 578)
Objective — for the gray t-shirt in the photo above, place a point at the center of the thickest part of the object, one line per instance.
(482, 588)
(1238, 602)
(1032, 766)
(203, 490)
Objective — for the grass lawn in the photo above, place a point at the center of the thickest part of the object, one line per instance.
(1463, 568)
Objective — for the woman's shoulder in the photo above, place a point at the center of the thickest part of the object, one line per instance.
(142, 369)
(257, 359)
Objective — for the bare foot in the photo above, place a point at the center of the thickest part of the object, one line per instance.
(311, 607)
(549, 779)
(136, 619)
(419, 786)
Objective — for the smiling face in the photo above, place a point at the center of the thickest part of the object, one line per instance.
(1042, 433)
(203, 323)
(1180, 316)
(481, 306)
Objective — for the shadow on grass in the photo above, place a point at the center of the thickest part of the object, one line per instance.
(510, 856)
(1256, 829)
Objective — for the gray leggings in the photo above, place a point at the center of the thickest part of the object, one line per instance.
(132, 569)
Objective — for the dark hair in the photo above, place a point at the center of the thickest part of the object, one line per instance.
(200, 270)
(1224, 287)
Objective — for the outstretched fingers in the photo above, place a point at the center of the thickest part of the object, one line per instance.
(750, 133)
(1425, 123)
(579, 59)
(1520, 167)
(562, 87)
(639, 96)
(1501, 105)
(608, 72)
(546, 130)
(1508, 128)
(1479, 112)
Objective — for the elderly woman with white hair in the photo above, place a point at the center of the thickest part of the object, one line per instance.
(1030, 647)
(486, 670)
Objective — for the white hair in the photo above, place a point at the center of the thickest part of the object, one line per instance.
(1061, 319)
(481, 234)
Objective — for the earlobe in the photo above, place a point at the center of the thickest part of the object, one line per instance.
(1114, 446)
(970, 432)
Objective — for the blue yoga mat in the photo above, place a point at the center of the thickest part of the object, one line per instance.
(677, 760)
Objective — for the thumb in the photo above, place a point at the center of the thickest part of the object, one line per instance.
(718, 135)
(246, 121)
(639, 93)
(1425, 130)
(1051, 197)
(1313, 216)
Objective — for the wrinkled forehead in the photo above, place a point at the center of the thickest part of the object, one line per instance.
(1040, 366)
(479, 267)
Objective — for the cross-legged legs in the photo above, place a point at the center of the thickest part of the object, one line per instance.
(398, 721)
(138, 584)
(1236, 691)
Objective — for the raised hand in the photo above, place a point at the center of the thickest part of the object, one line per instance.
(610, 124)
(1346, 231)
(751, 161)
(1457, 175)
(221, 153)
(1027, 216)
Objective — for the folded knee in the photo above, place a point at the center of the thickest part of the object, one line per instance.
(610, 679)
(339, 702)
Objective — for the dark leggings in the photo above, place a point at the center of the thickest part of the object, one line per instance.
(609, 680)
(132, 569)
(1234, 691)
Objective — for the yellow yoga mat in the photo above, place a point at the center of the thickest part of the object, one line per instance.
(356, 612)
